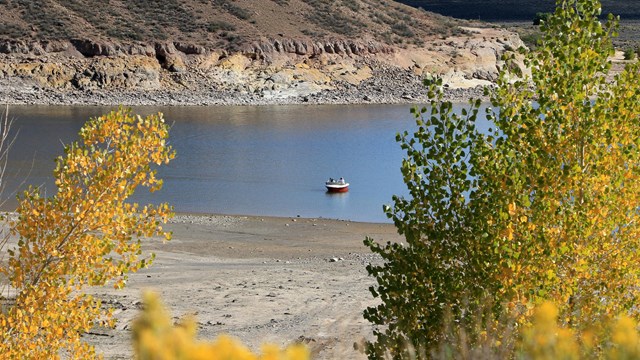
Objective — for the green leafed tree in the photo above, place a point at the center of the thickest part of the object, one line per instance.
(443, 263)
(544, 206)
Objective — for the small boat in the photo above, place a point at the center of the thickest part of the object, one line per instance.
(337, 186)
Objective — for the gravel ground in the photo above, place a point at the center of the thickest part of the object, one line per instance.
(259, 279)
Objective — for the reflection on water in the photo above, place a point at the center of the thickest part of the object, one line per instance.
(267, 160)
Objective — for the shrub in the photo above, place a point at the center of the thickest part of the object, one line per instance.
(215, 26)
(352, 4)
(542, 207)
(84, 235)
(233, 9)
(629, 54)
(238, 12)
(12, 31)
(541, 17)
(328, 19)
(545, 338)
(155, 337)
(403, 30)
(531, 40)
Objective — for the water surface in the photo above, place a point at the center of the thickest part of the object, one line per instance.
(262, 160)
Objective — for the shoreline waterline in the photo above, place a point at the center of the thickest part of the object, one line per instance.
(179, 216)
(195, 98)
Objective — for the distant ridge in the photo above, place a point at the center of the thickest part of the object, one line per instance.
(506, 10)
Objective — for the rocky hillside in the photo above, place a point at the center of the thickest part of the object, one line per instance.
(236, 51)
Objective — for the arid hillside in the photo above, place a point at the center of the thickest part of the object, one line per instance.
(220, 23)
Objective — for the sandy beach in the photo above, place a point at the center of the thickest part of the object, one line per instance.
(259, 279)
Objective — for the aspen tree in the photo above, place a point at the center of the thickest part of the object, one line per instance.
(87, 234)
(543, 207)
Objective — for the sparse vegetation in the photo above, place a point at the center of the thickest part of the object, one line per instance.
(233, 9)
(12, 31)
(325, 16)
(531, 39)
(312, 33)
(203, 22)
(353, 5)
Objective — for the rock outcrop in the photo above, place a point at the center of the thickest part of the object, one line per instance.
(270, 70)
(132, 72)
(267, 48)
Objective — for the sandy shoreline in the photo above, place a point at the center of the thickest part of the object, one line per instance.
(259, 279)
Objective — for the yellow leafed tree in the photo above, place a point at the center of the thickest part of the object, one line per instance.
(84, 235)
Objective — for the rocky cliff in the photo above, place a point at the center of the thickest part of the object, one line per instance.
(237, 51)
(271, 70)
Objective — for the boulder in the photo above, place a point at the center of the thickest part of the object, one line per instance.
(90, 48)
(329, 48)
(301, 48)
(189, 49)
(164, 49)
(339, 48)
(56, 46)
(169, 57)
(140, 49)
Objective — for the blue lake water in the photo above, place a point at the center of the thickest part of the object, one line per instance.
(265, 160)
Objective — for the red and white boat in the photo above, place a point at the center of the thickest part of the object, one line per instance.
(337, 186)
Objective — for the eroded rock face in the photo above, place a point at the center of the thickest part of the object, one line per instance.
(267, 48)
(21, 47)
(132, 72)
(56, 46)
(54, 75)
(271, 68)
(89, 48)
(189, 49)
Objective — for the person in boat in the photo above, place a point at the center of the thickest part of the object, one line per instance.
(341, 181)
(330, 180)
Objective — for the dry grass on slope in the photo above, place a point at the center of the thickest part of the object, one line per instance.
(221, 23)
